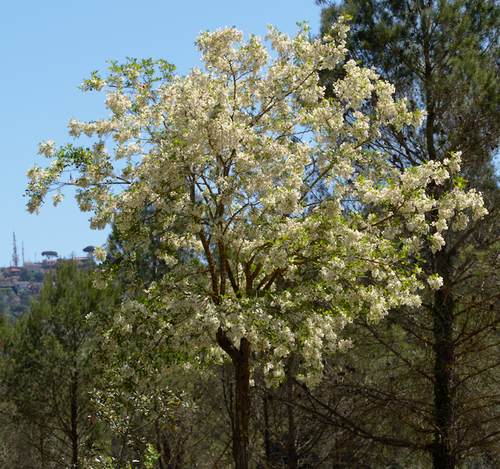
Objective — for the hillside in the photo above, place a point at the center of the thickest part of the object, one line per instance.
(19, 284)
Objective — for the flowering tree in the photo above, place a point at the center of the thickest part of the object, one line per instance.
(295, 226)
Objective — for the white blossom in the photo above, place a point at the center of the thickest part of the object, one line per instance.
(100, 254)
(435, 282)
(47, 148)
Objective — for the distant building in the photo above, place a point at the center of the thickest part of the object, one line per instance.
(33, 267)
(49, 264)
(84, 262)
(22, 286)
(11, 271)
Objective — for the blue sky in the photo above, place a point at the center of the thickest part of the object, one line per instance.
(49, 47)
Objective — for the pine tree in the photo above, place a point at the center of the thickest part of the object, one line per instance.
(50, 367)
(443, 56)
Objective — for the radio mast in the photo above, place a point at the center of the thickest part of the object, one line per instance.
(15, 257)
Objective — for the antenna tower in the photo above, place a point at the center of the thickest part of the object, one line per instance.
(22, 244)
(15, 256)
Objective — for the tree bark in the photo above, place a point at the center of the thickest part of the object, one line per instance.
(240, 358)
(444, 354)
(74, 420)
(291, 443)
(267, 439)
(164, 449)
(42, 447)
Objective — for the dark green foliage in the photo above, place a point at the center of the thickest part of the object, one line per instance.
(443, 57)
(25, 275)
(49, 254)
(50, 371)
(147, 267)
(140, 260)
(14, 304)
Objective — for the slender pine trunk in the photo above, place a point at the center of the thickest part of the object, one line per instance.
(74, 420)
(42, 448)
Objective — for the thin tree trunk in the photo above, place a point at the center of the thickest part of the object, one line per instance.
(291, 443)
(164, 456)
(240, 358)
(74, 420)
(267, 440)
(42, 447)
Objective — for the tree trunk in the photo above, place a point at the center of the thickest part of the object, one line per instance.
(42, 447)
(164, 455)
(291, 443)
(74, 420)
(240, 358)
(444, 354)
(267, 439)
